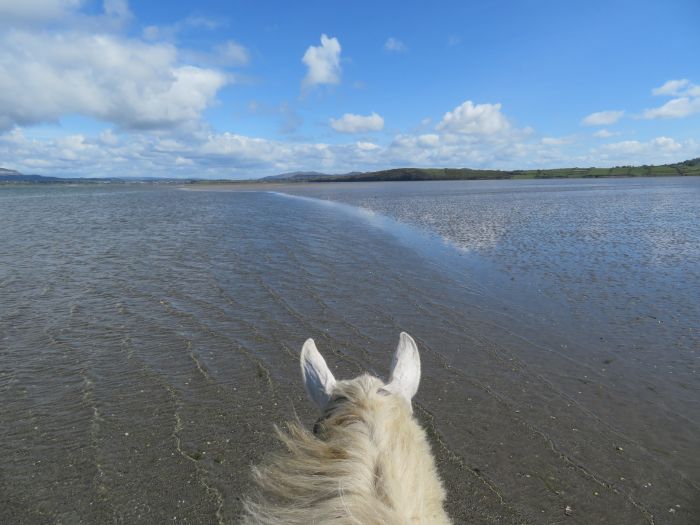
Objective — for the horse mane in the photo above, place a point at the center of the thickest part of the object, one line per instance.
(366, 462)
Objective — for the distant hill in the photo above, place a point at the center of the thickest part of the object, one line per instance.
(686, 168)
(297, 176)
(15, 176)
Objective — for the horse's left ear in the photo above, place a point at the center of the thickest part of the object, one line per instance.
(405, 369)
(318, 379)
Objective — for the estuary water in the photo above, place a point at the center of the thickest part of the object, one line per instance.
(149, 338)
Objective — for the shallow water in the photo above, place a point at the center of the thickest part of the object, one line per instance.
(148, 340)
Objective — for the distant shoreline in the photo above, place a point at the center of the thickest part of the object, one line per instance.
(681, 169)
(404, 178)
(686, 168)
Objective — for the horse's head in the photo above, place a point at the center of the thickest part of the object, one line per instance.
(366, 461)
(324, 390)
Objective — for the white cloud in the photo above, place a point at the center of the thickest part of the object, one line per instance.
(428, 140)
(676, 108)
(367, 146)
(656, 151)
(233, 155)
(171, 32)
(152, 32)
(472, 135)
(133, 84)
(394, 45)
(602, 118)
(323, 63)
(225, 55)
(108, 137)
(117, 9)
(37, 10)
(251, 154)
(671, 87)
(475, 119)
(50, 14)
(625, 147)
(555, 141)
(182, 161)
(56, 59)
(604, 134)
(666, 144)
(687, 101)
(350, 123)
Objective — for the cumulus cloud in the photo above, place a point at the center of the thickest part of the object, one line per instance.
(671, 87)
(228, 154)
(438, 150)
(234, 155)
(602, 118)
(686, 103)
(475, 119)
(138, 85)
(56, 59)
(656, 151)
(350, 123)
(323, 63)
(472, 135)
(394, 45)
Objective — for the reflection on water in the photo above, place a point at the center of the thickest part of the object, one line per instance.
(617, 252)
(148, 340)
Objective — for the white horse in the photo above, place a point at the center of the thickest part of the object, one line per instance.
(367, 461)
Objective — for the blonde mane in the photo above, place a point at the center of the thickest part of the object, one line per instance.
(366, 462)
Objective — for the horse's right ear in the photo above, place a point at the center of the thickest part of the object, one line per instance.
(405, 369)
(318, 379)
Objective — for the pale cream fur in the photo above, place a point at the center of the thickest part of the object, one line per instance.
(367, 462)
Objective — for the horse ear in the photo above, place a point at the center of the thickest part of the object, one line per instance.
(318, 379)
(405, 368)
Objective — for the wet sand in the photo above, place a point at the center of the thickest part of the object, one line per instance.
(142, 374)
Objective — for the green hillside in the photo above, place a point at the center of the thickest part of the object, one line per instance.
(689, 167)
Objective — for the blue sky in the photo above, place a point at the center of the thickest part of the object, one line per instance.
(246, 89)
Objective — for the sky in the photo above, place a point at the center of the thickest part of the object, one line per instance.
(230, 89)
